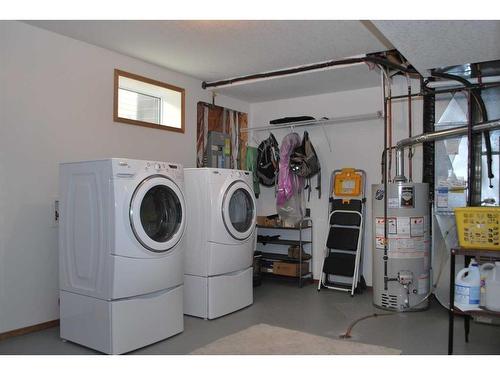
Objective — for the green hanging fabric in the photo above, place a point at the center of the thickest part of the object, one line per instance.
(251, 165)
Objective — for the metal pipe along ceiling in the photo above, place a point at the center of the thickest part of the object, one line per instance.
(331, 64)
(436, 136)
(252, 78)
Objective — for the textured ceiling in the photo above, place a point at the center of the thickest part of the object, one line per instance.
(434, 44)
(212, 50)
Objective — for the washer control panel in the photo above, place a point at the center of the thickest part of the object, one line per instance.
(128, 168)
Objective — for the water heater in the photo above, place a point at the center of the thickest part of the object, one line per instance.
(401, 270)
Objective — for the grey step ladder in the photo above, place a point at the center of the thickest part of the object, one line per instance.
(343, 255)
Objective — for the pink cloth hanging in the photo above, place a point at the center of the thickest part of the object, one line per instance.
(288, 183)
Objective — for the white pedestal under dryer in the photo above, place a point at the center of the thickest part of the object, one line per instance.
(220, 241)
(121, 244)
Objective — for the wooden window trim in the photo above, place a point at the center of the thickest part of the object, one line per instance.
(116, 118)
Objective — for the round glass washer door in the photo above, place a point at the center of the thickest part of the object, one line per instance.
(157, 213)
(238, 210)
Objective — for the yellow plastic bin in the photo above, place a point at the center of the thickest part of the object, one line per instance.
(478, 227)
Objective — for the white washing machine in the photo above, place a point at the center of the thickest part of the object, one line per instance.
(121, 245)
(220, 241)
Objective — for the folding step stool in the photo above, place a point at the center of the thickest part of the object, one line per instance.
(344, 246)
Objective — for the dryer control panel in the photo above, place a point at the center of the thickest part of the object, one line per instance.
(219, 175)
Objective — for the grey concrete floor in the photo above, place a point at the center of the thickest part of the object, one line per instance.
(283, 304)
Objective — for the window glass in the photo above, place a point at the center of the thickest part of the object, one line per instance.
(136, 106)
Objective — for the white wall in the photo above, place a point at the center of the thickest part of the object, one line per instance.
(56, 104)
(357, 145)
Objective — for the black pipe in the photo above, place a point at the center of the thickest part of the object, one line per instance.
(487, 141)
(410, 150)
(382, 166)
(484, 117)
(470, 145)
(426, 91)
(306, 68)
(466, 83)
(278, 73)
(386, 249)
(389, 64)
(428, 154)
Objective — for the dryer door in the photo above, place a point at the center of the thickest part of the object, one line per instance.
(238, 210)
(157, 213)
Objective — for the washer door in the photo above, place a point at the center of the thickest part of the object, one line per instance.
(238, 210)
(157, 213)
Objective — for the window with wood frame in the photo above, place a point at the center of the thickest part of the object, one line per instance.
(146, 102)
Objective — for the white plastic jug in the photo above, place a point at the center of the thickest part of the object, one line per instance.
(468, 287)
(491, 274)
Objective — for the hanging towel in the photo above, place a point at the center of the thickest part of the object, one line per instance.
(251, 165)
(288, 183)
(235, 139)
(202, 151)
(232, 133)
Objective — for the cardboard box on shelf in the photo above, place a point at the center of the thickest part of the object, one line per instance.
(271, 222)
(268, 221)
(289, 269)
(294, 252)
(261, 220)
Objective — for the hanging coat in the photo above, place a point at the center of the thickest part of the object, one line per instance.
(288, 183)
(251, 165)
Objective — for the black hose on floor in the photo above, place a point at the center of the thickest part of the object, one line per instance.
(347, 334)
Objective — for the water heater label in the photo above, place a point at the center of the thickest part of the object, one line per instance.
(403, 226)
(379, 242)
(392, 226)
(417, 226)
(406, 248)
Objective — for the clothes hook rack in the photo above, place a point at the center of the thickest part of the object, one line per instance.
(321, 122)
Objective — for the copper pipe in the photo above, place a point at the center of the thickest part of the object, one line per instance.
(410, 150)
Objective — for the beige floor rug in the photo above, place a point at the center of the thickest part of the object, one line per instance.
(266, 339)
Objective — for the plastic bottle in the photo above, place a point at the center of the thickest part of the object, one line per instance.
(468, 287)
(491, 275)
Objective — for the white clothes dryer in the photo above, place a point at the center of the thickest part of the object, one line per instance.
(121, 241)
(220, 241)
